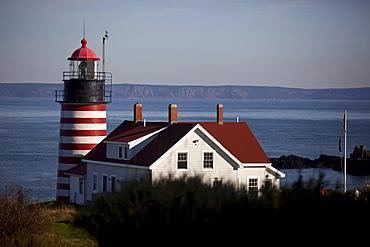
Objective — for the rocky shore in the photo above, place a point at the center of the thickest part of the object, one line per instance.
(358, 162)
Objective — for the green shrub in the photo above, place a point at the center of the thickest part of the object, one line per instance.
(188, 209)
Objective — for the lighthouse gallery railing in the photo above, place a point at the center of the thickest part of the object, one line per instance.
(78, 88)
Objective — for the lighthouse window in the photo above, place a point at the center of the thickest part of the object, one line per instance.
(83, 69)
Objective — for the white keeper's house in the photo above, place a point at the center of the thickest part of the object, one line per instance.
(216, 151)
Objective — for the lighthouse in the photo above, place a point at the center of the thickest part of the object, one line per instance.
(83, 112)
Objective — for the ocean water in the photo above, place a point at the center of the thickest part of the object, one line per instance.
(29, 131)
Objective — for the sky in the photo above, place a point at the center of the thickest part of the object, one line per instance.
(301, 44)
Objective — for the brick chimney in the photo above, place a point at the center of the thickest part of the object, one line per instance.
(172, 113)
(220, 114)
(138, 112)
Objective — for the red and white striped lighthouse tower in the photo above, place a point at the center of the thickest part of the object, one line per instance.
(83, 112)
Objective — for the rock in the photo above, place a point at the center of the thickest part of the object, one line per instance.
(359, 161)
(360, 153)
(291, 162)
(357, 164)
(333, 162)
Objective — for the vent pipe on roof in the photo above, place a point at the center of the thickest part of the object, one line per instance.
(220, 113)
(172, 113)
(138, 112)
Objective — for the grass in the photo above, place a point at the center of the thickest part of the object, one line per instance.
(63, 228)
(44, 224)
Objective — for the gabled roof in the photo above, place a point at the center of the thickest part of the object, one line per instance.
(151, 152)
(162, 143)
(237, 138)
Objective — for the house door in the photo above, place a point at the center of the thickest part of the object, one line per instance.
(268, 184)
(81, 192)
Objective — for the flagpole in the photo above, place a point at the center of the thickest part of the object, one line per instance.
(345, 152)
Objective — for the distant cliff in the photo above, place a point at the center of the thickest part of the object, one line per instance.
(47, 90)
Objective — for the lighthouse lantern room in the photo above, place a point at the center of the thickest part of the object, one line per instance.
(83, 113)
(83, 83)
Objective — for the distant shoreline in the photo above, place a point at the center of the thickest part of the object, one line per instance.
(227, 92)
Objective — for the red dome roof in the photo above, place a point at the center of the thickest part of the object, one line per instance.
(84, 53)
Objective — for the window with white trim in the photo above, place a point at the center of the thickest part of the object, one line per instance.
(182, 160)
(120, 152)
(253, 184)
(207, 160)
(123, 152)
(105, 183)
(95, 182)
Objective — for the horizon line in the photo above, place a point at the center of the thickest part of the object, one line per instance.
(195, 85)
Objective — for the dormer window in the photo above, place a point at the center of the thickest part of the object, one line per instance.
(123, 152)
(120, 152)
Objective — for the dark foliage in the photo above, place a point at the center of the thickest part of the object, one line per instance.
(187, 210)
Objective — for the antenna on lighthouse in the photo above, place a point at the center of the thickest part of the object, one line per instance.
(104, 38)
(84, 29)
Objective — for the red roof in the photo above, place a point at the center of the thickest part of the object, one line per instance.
(161, 144)
(237, 138)
(84, 53)
(129, 131)
(79, 170)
